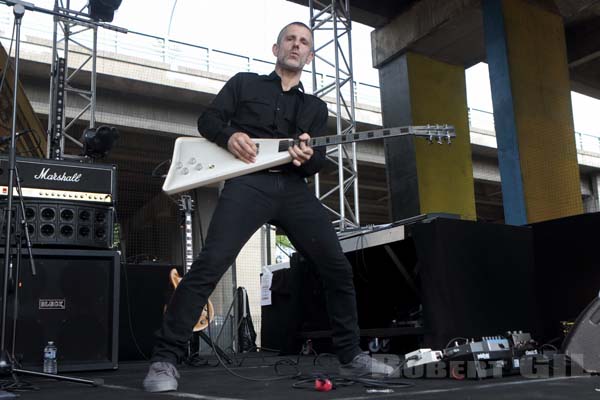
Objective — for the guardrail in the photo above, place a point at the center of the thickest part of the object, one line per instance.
(484, 120)
(175, 53)
(180, 54)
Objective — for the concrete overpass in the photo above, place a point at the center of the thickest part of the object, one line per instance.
(153, 98)
(452, 31)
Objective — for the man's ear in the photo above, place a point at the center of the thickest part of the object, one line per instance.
(275, 49)
(310, 57)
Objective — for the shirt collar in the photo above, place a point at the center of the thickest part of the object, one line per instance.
(273, 76)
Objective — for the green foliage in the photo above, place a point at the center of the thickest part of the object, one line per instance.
(283, 241)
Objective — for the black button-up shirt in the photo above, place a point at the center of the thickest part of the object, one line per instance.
(257, 105)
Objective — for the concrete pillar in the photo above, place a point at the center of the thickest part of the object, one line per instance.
(425, 178)
(537, 156)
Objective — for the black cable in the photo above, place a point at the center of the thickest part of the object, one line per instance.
(382, 383)
(123, 259)
(17, 386)
(253, 350)
(309, 382)
(455, 339)
(230, 371)
(154, 173)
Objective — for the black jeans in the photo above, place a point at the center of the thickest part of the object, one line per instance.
(245, 204)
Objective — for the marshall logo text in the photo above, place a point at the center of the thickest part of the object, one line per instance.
(52, 304)
(46, 175)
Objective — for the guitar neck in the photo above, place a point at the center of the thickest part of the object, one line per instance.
(189, 248)
(429, 131)
(186, 204)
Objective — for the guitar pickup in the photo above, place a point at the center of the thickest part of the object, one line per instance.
(285, 144)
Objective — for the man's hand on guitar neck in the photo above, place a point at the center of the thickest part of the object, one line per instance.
(241, 146)
(303, 153)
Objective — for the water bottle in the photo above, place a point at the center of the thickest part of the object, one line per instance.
(50, 358)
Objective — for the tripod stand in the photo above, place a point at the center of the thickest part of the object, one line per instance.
(6, 361)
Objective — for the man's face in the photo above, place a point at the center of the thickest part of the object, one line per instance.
(295, 49)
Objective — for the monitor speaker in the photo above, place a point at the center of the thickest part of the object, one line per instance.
(582, 344)
(72, 300)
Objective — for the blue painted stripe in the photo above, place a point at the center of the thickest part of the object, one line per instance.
(513, 196)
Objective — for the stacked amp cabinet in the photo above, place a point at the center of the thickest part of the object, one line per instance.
(66, 204)
(68, 210)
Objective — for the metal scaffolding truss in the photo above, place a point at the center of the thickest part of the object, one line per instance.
(331, 26)
(67, 79)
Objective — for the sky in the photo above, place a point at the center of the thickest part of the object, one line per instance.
(250, 28)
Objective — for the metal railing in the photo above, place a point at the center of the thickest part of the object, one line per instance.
(484, 120)
(176, 54)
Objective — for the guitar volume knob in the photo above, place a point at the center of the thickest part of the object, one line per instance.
(192, 161)
(185, 171)
(198, 167)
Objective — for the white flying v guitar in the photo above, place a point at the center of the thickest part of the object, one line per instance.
(198, 162)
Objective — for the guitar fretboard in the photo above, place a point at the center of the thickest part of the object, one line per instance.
(187, 206)
(189, 247)
(432, 132)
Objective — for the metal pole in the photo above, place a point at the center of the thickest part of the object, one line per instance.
(93, 79)
(335, 18)
(353, 116)
(338, 108)
(314, 82)
(19, 11)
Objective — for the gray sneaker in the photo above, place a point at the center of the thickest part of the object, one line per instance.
(363, 364)
(162, 377)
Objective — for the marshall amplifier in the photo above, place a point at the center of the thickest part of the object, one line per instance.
(62, 180)
(72, 300)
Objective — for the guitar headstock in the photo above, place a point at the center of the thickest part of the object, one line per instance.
(438, 133)
(186, 204)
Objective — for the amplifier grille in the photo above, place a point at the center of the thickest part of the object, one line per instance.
(63, 223)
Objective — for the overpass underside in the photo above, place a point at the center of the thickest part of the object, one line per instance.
(152, 102)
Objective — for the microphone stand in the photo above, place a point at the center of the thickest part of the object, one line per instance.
(6, 361)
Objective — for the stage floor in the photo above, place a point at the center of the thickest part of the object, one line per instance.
(214, 382)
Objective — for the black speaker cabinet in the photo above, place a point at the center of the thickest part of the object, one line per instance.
(567, 272)
(582, 344)
(72, 300)
(477, 279)
(145, 289)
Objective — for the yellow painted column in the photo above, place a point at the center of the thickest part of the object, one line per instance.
(541, 104)
(445, 173)
(427, 178)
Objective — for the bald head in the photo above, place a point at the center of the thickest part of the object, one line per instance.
(284, 30)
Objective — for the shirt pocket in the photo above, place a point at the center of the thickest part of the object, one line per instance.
(253, 110)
